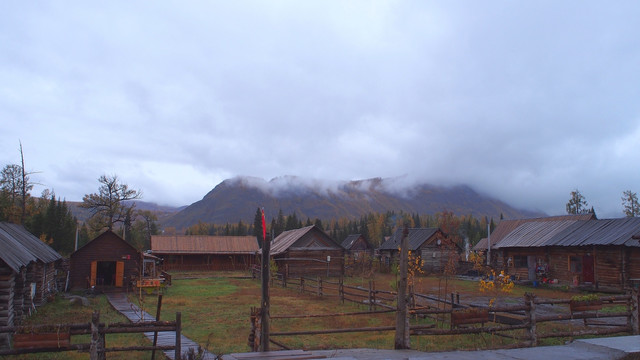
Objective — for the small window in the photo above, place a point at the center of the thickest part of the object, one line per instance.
(520, 261)
(575, 264)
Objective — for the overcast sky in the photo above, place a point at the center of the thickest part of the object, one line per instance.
(524, 101)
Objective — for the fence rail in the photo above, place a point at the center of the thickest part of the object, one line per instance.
(462, 319)
(33, 342)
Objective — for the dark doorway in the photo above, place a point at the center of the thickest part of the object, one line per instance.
(106, 273)
(531, 266)
(587, 269)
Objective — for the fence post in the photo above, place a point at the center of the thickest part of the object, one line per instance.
(96, 347)
(178, 353)
(370, 297)
(530, 314)
(155, 333)
(301, 285)
(265, 304)
(412, 297)
(373, 295)
(254, 335)
(319, 286)
(341, 289)
(634, 319)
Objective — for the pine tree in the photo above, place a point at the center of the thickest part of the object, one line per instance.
(54, 223)
(577, 204)
(257, 225)
(280, 224)
(630, 204)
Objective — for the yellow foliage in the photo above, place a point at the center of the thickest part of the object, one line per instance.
(496, 284)
(415, 266)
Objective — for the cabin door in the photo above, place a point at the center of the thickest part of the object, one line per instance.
(94, 272)
(531, 266)
(119, 273)
(587, 269)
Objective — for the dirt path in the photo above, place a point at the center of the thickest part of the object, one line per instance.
(132, 312)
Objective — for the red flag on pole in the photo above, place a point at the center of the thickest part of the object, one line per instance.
(264, 227)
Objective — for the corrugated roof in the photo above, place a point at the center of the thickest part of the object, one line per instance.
(505, 227)
(537, 233)
(203, 244)
(18, 247)
(415, 238)
(602, 232)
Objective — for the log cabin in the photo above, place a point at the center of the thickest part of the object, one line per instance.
(307, 251)
(203, 252)
(356, 245)
(107, 262)
(505, 227)
(28, 270)
(433, 247)
(599, 254)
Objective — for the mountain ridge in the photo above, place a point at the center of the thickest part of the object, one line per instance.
(238, 198)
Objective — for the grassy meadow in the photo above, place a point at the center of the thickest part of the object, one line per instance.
(61, 311)
(216, 308)
(216, 313)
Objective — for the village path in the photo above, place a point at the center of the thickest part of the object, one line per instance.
(612, 348)
(132, 312)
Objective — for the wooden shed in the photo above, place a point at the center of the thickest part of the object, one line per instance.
(201, 252)
(602, 254)
(107, 262)
(505, 227)
(27, 274)
(307, 251)
(356, 245)
(430, 244)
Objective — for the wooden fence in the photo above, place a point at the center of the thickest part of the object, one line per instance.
(369, 296)
(57, 338)
(463, 319)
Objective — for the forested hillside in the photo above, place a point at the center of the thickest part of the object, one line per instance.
(236, 200)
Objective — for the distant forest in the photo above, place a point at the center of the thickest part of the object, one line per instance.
(373, 226)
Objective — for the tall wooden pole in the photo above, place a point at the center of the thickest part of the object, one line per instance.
(264, 331)
(155, 333)
(402, 340)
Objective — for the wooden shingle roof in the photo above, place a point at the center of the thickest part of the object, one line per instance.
(287, 239)
(203, 244)
(415, 238)
(18, 247)
(349, 240)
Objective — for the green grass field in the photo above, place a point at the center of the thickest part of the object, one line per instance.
(216, 314)
(61, 311)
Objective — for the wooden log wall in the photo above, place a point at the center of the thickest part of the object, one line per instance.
(45, 278)
(22, 297)
(7, 283)
(307, 263)
(211, 262)
(435, 258)
(633, 263)
(608, 266)
(521, 272)
(613, 265)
